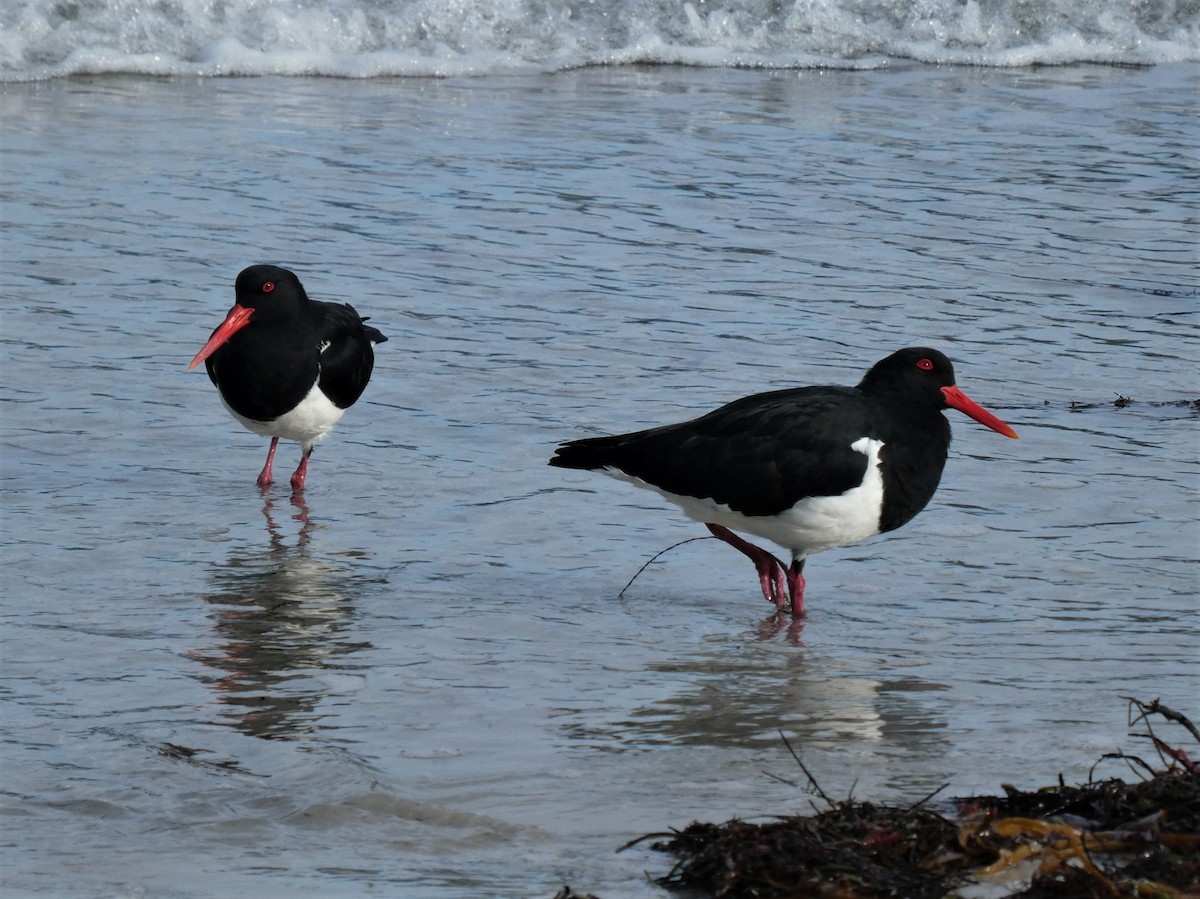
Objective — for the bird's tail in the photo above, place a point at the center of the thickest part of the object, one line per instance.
(588, 453)
(372, 334)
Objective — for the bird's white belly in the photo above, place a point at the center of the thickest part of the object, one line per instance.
(813, 524)
(312, 419)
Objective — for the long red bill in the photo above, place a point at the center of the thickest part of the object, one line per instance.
(963, 403)
(237, 319)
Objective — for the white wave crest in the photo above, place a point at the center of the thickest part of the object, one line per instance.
(367, 38)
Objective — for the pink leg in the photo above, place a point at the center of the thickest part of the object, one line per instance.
(770, 569)
(264, 477)
(795, 582)
(301, 472)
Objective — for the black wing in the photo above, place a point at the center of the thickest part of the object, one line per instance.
(759, 455)
(346, 356)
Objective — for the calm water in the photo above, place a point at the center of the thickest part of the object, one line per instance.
(421, 682)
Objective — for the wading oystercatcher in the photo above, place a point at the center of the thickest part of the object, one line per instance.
(809, 468)
(287, 366)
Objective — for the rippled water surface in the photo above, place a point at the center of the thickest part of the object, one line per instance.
(420, 680)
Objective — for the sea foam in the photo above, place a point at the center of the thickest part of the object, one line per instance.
(369, 38)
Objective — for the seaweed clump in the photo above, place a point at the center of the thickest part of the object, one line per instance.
(853, 849)
(1103, 839)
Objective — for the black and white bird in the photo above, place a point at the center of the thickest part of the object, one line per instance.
(286, 366)
(808, 468)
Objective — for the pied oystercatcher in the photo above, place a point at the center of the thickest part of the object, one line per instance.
(809, 468)
(288, 366)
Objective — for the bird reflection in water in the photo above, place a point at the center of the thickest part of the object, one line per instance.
(779, 623)
(280, 617)
(746, 699)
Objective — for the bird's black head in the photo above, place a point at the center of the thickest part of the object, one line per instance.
(919, 377)
(266, 295)
(916, 371)
(268, 287)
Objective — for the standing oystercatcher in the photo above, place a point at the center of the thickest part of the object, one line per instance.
(288, 366)
(809, 468)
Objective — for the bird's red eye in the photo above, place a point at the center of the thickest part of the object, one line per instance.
(925, 365)
(268, 286)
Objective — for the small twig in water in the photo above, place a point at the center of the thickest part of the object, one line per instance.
(667, 834)
(1131, 760)
(1155, 707)
(811, 780)
(928, 796)
(654, 557)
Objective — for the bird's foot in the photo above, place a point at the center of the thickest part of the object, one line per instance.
(264, 476)
(772, 580)
(795, 584)
(771, 572)
(300, 473)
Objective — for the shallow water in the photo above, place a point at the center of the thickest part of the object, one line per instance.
(421, 680)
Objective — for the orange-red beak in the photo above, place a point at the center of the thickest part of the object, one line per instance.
(238, 318)
(963, 403)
